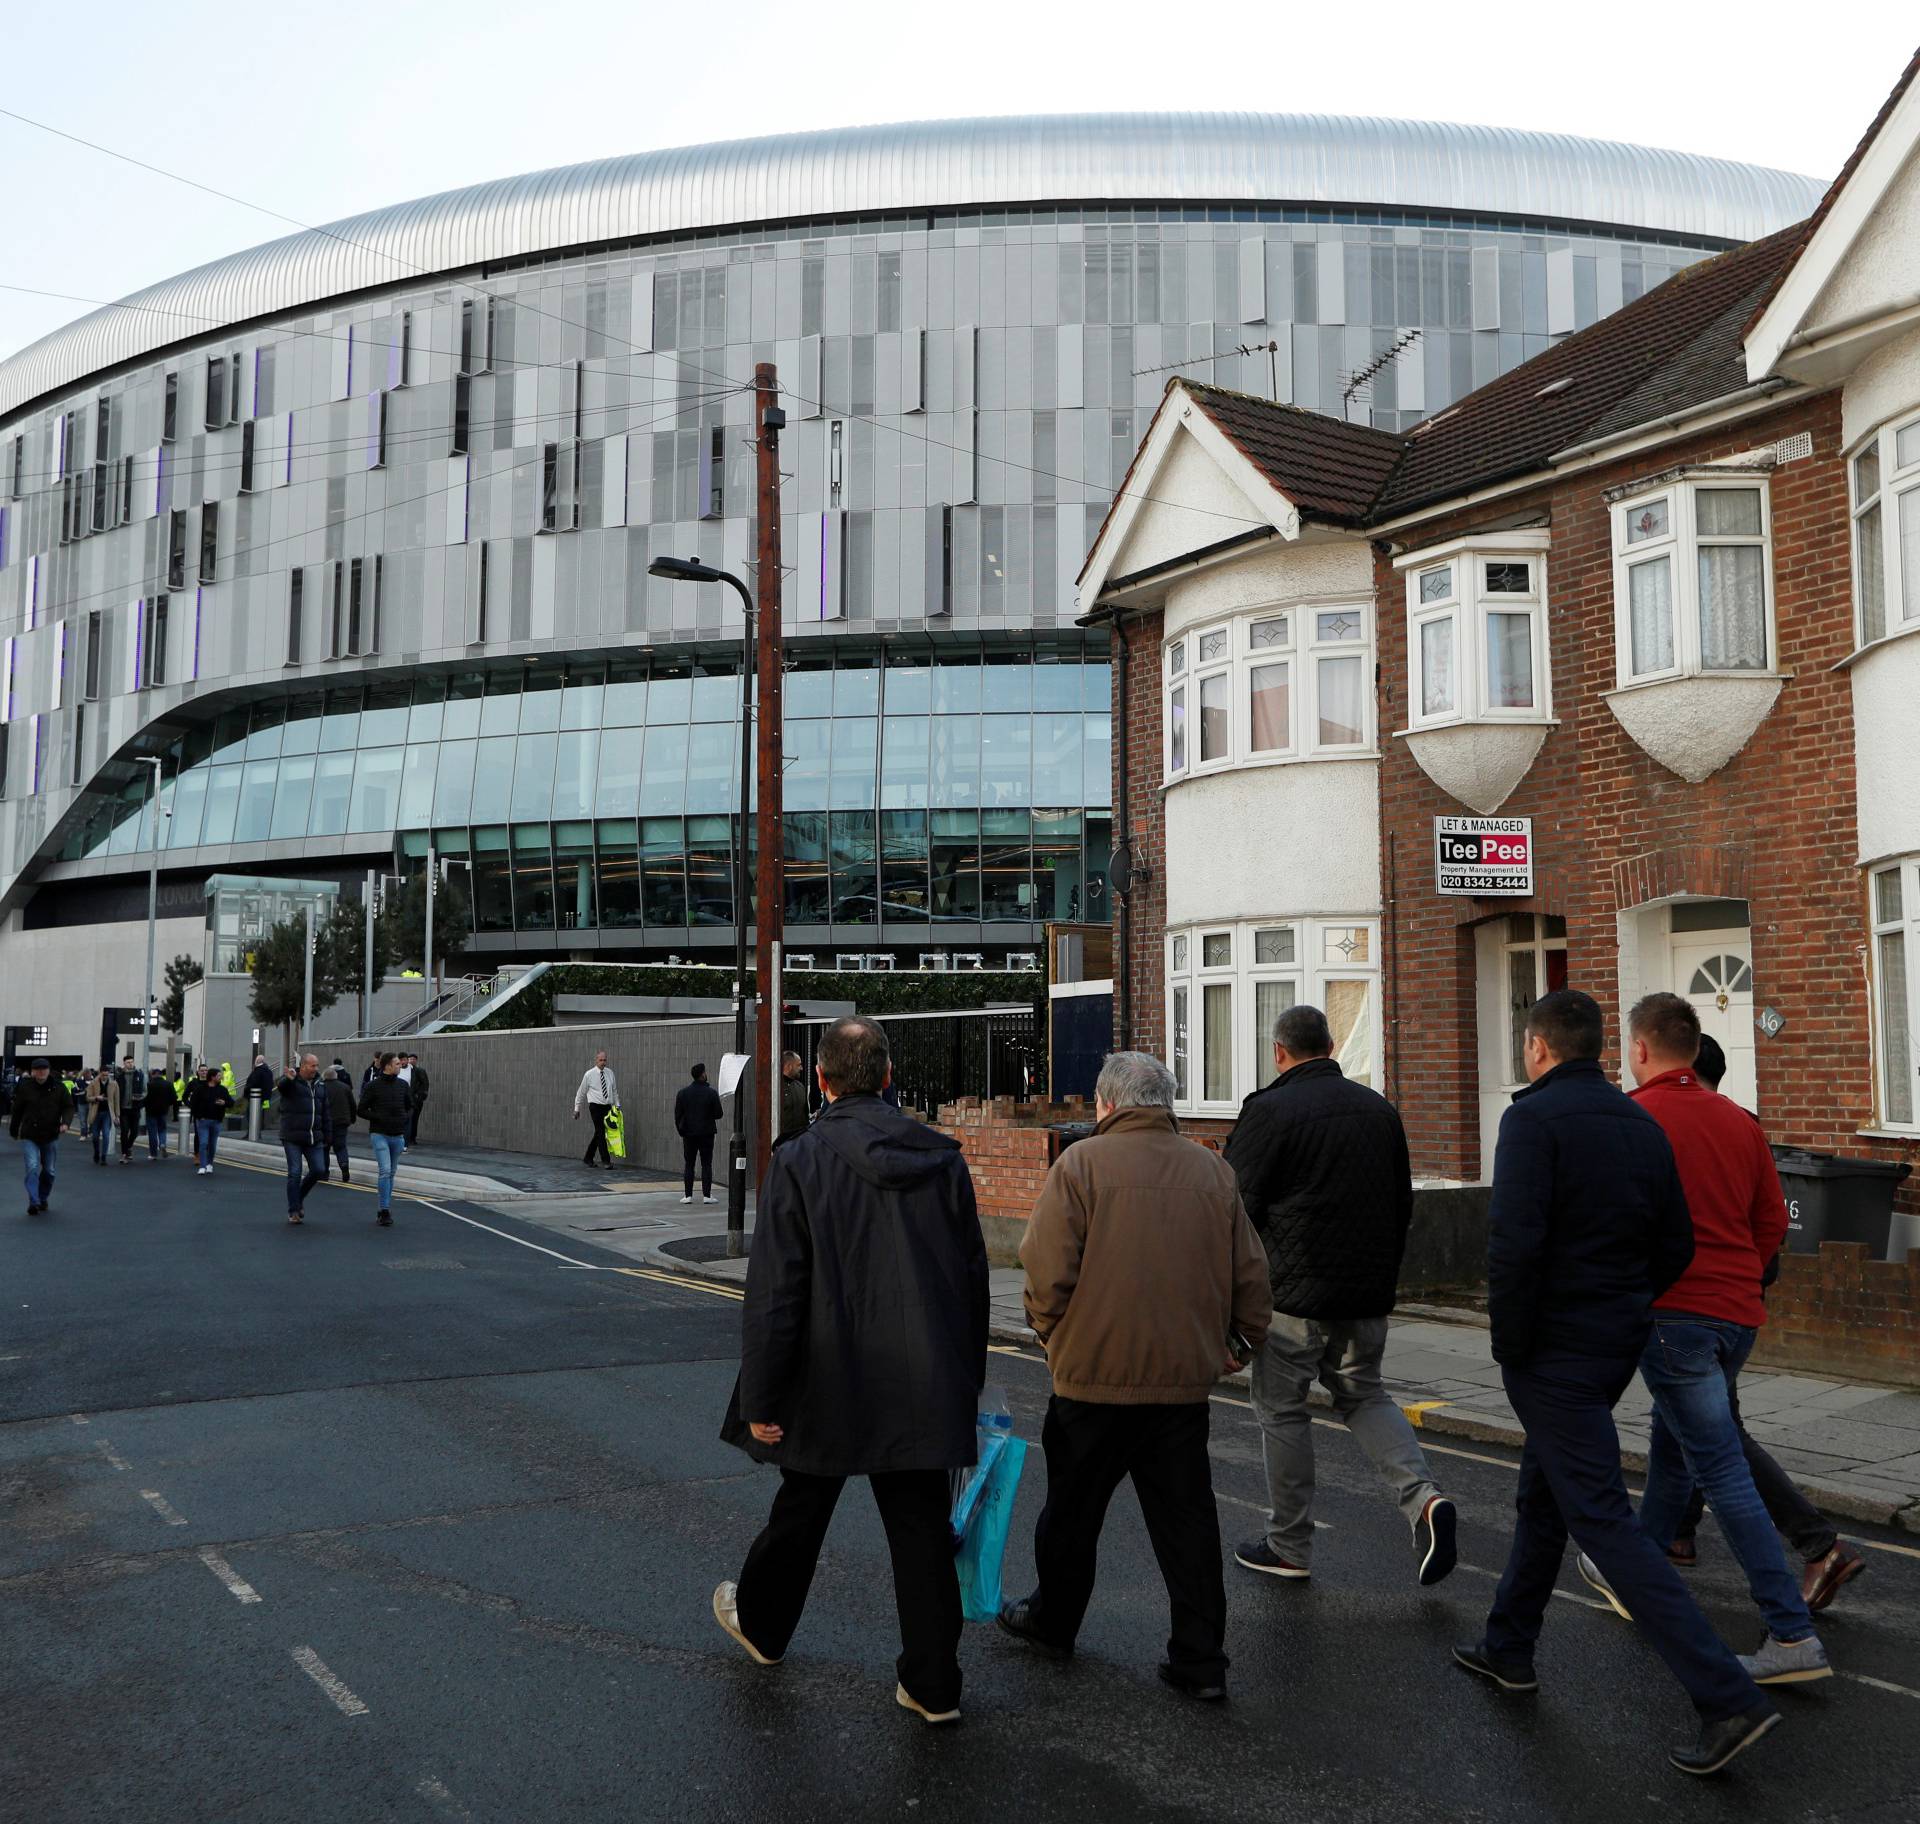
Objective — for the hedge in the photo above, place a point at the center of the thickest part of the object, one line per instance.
(877, 993)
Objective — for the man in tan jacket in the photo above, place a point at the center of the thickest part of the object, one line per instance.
(1145, 1283)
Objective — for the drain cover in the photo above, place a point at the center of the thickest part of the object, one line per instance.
(425, 1263)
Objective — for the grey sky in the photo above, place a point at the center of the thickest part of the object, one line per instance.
(322, 114)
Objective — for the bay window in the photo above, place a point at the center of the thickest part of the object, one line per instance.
(1693, 587)
(1270, 684)
(1228, 983)
(1476, 631)
(1885, 479)
(1894, 903)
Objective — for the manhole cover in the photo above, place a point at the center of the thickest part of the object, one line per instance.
(609, 1228)
(425, 1263)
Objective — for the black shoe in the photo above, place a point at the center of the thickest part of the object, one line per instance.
(1508, 1674)
(1016, 1618)
(1258, 1555)
(1433, 1547)
(1720, 1742)
(385, 1219)
(1196, 1689)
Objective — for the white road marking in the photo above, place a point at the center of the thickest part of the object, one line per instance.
(1260, 1507)
(1880, 1684)
(79, 1418)
(111, 1455)
(436, 1795)
(163, 1507)
(589, 1265)
(315, 1668)
(240, 1588)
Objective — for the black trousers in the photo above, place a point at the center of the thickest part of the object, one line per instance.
(413, 1121)
(597, 1114)
(1570, 1482)
(130, 1126)
(913, 1508)
(340, 1153)
(1091, 1449)
(701, 1149)
(1804, 1526)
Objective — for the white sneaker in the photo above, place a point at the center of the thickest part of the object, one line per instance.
(203, 1171)
(1590, 1576)
(710, 1198)
(687, 1199)
(726, 1611)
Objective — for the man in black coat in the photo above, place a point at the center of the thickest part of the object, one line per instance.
(1588, 1226)
(1323, 1171)
(864, 1351)
(696, 1119)
(42, 1107)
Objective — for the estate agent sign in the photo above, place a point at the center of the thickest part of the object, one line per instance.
(1484, 857)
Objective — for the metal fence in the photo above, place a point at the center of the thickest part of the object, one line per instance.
(940, 1057)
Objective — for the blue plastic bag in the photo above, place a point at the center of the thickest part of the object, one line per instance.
(982, 1516)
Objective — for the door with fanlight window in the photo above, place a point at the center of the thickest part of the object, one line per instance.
(1714, 970)
(1520, 958)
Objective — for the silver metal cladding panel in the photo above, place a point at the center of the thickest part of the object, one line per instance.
(877, 170)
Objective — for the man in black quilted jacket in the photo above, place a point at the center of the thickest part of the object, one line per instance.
(1322, 1165)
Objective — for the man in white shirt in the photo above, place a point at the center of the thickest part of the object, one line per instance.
(599, 1095)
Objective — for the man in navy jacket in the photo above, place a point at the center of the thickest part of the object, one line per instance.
(306, 1133)
(1588, 1226)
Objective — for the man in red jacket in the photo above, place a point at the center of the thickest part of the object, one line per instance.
(1704, 1327)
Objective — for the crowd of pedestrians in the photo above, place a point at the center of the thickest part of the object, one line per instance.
(1629, 1235)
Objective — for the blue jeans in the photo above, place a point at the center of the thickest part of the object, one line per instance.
(101, 1132)
(306, 1167)
(387, 1149)
(1570, 1482)
(39, 1155)
(206, 1141)
(156, 1135)
(1689, 1366)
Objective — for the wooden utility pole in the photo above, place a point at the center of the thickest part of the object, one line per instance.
(770, 890)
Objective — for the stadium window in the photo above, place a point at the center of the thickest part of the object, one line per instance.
(402, 370)
(233, 388)
(216, 414)
(480, 609)
(376, 430)
(177, 548)
(246, 457)
(462, 413)
(373, 619)
(296, 592)
(549, 487)
(96, 638)
(466, 335)
(126, 490)
(153, 643)
(210, 541)
(170, 411)
(334, 622)
(353, 607)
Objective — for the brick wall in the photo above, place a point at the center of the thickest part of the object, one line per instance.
(1776, 826)
(1137, 721)
(1009, 1147)
(1837, 1312)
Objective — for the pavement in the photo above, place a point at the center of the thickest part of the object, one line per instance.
(422, 1524)
(470, 1171)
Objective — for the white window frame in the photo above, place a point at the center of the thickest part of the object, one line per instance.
(1308, 971)
(1906, 926)
(1898, 482)
(1467, 605)
(1681, 544)
(1302, 652)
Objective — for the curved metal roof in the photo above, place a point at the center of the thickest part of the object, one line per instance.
(1228, 158)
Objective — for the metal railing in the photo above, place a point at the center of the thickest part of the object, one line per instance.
(940, 1057)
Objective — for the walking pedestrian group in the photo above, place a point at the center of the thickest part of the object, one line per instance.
(1629, 1234)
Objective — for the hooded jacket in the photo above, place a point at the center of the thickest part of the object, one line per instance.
(1140, 1261)
(864, 1332)
(697, 1110)
(340, 1105)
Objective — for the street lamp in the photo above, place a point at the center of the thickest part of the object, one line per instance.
(686, 570)
(153, 914)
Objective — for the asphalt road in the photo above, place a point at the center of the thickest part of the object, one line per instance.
(423, 1524)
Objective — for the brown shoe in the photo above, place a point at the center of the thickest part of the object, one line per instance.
(1683, 1554)
(1824, 1576)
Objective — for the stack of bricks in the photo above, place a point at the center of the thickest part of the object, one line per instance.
(1837, 1312)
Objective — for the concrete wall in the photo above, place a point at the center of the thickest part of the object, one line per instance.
(65, 977)
(515, 1090)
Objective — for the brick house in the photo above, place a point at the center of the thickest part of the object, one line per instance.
(1656, 591)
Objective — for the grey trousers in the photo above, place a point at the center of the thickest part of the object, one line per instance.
(1344, 1357)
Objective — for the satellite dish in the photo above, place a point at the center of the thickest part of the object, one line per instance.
(1122, 873)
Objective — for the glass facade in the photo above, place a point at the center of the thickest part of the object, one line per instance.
(924, 787)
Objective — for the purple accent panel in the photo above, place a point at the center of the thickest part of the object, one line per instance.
(195, 673)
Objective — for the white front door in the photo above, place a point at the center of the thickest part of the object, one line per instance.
(1714, 970)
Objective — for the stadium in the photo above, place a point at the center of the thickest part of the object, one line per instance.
(351, 531)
